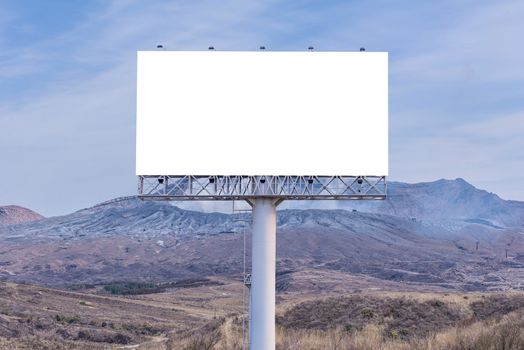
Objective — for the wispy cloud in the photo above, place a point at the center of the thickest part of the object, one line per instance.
(71, 144)
(490, 153)
(67, 98)
(483, 47)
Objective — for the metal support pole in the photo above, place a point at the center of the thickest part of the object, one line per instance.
(249, 337)
(262, 327)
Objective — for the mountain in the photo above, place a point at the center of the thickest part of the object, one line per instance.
(132, 240)
(13, 214)
(126, 216)
(451, 201)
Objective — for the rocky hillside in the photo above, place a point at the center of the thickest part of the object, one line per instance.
(128, 239)
(13, 214)
(443, 201)
(127, 216)
(439, 208)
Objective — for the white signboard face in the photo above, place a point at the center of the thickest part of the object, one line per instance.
(262, 113)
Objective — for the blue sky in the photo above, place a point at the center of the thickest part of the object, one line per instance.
(67, 84)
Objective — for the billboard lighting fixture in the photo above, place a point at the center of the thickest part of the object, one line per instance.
(362, 49)
(211, 180)
(359, 181)
(262, 181)
(161, 180)
(310, 181)
(262, 47)
(160, 46)
(311, 48)
(211, 48)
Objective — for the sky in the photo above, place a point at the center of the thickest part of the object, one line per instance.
(68, 84)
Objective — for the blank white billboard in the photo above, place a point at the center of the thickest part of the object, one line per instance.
(262, 113)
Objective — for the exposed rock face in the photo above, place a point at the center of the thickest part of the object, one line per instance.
(443, 201)
(13, 214)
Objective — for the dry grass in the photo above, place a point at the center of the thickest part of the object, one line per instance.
(37, 343)
(399, 317)
(469, 333)
(206, 317)
(505, 334)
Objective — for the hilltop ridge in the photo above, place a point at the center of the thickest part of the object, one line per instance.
(14, 214)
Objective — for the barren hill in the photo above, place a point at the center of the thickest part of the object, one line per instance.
(13, 214)
(132, 240)
(450, 202)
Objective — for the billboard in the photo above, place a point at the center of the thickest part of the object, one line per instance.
(262, 113)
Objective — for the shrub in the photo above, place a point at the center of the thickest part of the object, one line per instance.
(367, 313)
(128, 288)
(67, 319)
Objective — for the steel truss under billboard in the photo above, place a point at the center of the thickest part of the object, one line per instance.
(251, 187)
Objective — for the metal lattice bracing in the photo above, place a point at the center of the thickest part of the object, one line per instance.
(217, 187)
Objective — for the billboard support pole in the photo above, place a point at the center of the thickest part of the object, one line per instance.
(262, 306)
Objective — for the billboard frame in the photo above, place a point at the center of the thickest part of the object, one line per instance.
(220, 187)
(340, 130)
